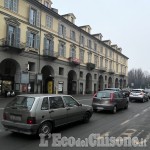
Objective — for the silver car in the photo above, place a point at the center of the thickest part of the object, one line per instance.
(40, 113)
(138, 95)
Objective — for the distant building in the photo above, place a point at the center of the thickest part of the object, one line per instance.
(44, 52)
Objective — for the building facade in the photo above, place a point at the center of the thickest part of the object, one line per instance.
(44, 52)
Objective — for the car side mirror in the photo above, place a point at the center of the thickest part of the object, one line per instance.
(80, 104)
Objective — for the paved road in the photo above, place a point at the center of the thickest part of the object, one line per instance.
(133, 122)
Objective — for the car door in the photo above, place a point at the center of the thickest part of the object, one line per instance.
(74, 109)
(58, 111)
(122, 100)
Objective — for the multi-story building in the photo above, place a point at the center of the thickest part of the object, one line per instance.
(44, 52)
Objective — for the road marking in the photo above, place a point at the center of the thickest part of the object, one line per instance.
(145, 110)
(1, 108)
(136, 115)
(125, 122)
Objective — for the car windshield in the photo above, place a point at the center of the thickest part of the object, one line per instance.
(103, 95)
(22, 102)
(136, 91)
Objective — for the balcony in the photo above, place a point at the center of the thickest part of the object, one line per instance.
(74, 61)
(90, 66)
(122, 74)
(111, 71)
(50, 54)
(102, 69)
(12, 46)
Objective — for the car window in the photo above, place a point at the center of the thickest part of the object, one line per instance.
(23, 102)
(44, 105)
(56, 102)
(103, 95)
(70, 102)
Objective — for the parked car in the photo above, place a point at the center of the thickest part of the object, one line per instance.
(126, 92)
(109, 100)
(138, 95)
(40, 113)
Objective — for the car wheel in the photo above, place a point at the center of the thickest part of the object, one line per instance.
(143, 100)
(126, 106)
(45, 128)
(114, 110)
(86, 117)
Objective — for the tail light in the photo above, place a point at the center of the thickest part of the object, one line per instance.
(141, 93)
(4, 116)
(111, 97)
(31, 120)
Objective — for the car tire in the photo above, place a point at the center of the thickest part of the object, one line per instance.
(86, 117)
(114, 110)
(143, 100)
(45, 128)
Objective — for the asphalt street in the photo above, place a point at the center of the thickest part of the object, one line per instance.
(133, 122)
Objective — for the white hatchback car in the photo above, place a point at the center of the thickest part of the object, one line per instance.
(138, 95)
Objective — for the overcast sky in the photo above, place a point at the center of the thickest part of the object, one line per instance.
(124, 22)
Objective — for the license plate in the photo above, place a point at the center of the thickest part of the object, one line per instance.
(15, 118)
(100, 108)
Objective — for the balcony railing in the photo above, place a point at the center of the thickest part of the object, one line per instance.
(50, 54)
(11, 45)
(122, 73)
(102, 69)
(90, 66)
(74, 61)
(111, 71)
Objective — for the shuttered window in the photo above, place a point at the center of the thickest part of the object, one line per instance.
(62, 49)
(48, 46)
(11, 5)
(13, 36)
(49, 21)
(62, 30)
(33, 40)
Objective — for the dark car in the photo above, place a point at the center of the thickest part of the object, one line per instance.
(109, 100)
(126, 92)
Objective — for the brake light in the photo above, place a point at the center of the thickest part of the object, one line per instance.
(31, 120)
(111, 97)
(95, 95)
(141, 93)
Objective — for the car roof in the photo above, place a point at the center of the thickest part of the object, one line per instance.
(42, 95)
(112, 89)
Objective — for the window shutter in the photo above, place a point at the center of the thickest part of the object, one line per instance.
(37, 42)
(80, 39)
(30, 17)
(59, 29)
(52, 47)
(17, 37)
(38, 19)
(45, 46)
(64, 32)
(71, 34)
(28, 38)
(64, 50)
(59, 49)
(87, 43)
(70, 51)
(6, 4)
(7, 38)
(15, 6)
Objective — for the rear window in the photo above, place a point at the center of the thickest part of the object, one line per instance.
(136, 91)
(103, 95)
(22, 102)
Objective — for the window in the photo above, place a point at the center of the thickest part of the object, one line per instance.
(33, 40)
(11, 5)
(101, 50)
(106, 63)
(49, 21)
(81, 74)
(82, 40)
(95, 76)
(45, 105)
(31, 66)
(72, 52)
(62, 49)
(46, 4)
(70, 102)
(106, 52)
(62, 30)
(34, 17)
(49, 46)
(96, 60)
(73, 35)
(61, 71)
(101, 61)
(95, 46)
(89, 57)
(13, 36)
(81, 56)
(110, 65)
(89, 44)
(56, 102)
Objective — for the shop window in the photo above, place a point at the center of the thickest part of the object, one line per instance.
(81, 74)
(31, 66)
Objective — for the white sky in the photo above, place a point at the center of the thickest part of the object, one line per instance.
(124, 22)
